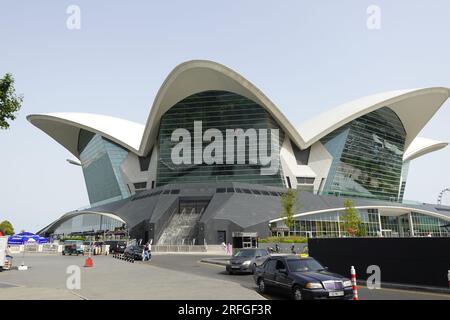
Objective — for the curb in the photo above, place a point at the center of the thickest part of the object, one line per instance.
(411, 287)
(220, 262)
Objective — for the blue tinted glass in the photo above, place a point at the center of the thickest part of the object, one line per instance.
(101, 160)
(367, 156)
(222, 111)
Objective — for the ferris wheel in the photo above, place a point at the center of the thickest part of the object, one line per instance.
(441, 195)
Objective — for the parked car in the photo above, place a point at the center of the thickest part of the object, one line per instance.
(301, 278)
(134, 252)
(246, 260)
(73, 247)
(116, 246)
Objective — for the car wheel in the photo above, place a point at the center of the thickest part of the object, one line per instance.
(297, 293)
(262, 286)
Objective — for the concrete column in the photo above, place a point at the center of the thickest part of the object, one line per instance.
(411, 225)
(339, 225)
(379, 223)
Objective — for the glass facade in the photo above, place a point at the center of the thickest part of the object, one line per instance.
(101, 160)
(367, 157)
(329, 225)
(425, 226)
(88, 222)
(219, 110)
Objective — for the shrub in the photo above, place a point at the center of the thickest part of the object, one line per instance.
(291, 239)
(74, 238)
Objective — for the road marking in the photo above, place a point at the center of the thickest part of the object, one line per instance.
(78, 295)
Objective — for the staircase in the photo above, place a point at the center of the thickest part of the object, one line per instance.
(180, 228)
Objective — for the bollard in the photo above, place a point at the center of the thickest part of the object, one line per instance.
(354, 287)
(448, 278)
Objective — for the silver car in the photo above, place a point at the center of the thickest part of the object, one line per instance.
(246, 260)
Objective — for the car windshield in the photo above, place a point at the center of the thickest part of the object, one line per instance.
(245, 253)
(304, 265)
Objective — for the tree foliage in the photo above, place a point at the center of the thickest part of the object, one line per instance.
(351, 220)
(288, 202)
(10, 103)
(7, 227)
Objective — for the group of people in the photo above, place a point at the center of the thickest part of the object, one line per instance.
(277, 249)
(228, 248)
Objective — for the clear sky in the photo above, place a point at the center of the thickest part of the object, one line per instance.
(306, 56)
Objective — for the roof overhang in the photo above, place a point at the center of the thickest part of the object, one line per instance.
(422, 146)
(394, 210)
(65, 128)
(414, 107)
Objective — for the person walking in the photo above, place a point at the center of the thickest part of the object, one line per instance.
(146, 252)
(228, 249)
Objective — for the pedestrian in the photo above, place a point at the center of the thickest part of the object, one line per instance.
(277, 248)
(293, 249)
(228, 248)
(146, 252)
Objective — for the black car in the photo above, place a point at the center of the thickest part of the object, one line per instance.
(246, 260)
(116, 246)
(133, 252)
(302, 278)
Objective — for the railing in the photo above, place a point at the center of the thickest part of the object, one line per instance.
(36, 248)
(160, 226)
(179, 248)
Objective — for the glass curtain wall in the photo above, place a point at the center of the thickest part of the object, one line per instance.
(367, 157)
(219, 110)
(329, 225)
(88, 222)
(101, 160)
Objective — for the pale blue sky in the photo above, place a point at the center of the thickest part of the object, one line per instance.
(307, 56)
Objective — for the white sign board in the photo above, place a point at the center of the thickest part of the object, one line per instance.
(3, 246)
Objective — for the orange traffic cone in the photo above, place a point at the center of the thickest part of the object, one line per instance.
(89, 263)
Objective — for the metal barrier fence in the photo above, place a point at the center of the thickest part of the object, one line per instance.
(36, 248)
(179, 248)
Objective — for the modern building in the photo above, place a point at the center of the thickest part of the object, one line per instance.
(135, 178)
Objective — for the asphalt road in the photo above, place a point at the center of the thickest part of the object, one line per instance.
(191, 264)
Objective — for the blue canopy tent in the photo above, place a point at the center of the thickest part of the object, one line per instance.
(25, 237)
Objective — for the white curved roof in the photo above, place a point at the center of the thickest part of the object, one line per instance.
(200, 75)
(421, 146)
(65, 127)
(414, 107)
(74, 214)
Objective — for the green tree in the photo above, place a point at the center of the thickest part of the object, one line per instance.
(10, 103)
(7, 227)
(351, 220)
(288, 202)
